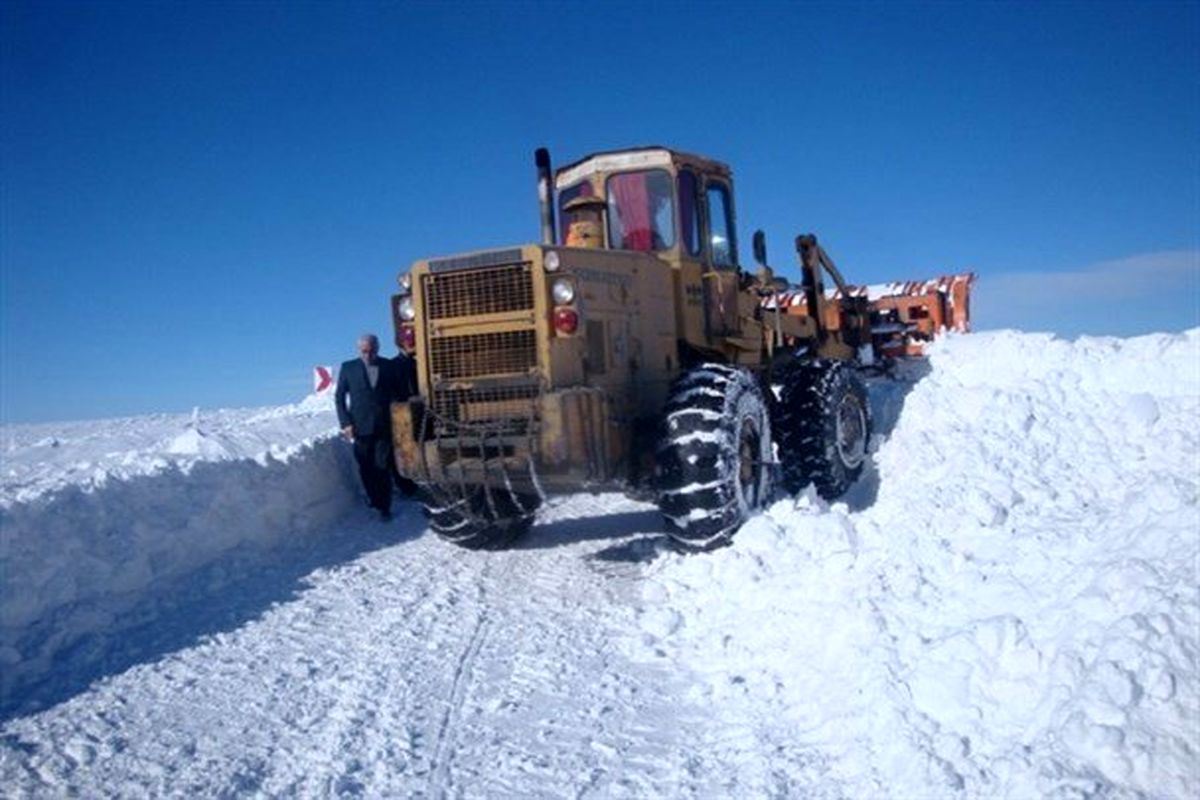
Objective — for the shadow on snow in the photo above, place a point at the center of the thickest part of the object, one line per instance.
(886, 397)
(224, 595)
(560, 533)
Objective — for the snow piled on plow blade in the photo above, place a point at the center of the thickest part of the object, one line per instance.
(1014, 614)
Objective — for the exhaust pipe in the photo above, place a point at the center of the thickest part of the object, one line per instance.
(541, 157)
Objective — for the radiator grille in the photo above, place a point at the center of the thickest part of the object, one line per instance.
(463, 413)
(473, 355)
(475, 292)
(504, 411)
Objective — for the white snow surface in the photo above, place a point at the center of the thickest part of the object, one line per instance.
(1005, 605)
(38, 459)
(97, 516)
(1013, 614)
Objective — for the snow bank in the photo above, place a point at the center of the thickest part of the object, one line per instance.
(95, 516)
(1016, 614)
(42, 458)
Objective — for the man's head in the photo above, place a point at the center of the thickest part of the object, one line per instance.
(368, 347)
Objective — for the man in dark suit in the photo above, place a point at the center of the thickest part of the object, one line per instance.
(372, 384)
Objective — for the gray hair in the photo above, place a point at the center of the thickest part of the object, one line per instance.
(369, 338)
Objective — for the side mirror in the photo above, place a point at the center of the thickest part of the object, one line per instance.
(760, 248)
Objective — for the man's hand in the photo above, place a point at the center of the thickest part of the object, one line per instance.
(348, 433)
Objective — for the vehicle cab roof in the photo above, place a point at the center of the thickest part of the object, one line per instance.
(609, 161)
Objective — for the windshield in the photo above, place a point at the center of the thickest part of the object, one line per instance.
(641, 210)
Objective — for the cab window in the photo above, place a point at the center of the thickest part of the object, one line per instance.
(641, 210)
(581, 189)
(689, 213)
(720, 227)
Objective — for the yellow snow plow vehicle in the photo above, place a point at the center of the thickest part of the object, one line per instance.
(629, 350)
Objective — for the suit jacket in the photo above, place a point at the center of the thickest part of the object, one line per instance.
(369, 410)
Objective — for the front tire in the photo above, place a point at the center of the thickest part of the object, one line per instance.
(476, 523)
(714, 458)
(823, 424)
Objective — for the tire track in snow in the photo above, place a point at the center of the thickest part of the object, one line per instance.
(443, 751)
(553, 703)
(396, 667)
(351, 744)
(414, 670)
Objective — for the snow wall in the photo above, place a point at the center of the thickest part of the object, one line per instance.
(84, 561)
(1016, 613)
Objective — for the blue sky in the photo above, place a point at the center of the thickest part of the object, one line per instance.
(199, 202)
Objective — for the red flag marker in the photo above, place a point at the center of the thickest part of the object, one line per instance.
(322, 379)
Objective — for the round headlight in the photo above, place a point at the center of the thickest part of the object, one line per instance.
(551, 261)
(407, 312)
(406, 281)
(563, 291)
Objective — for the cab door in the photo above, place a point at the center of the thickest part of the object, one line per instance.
(720, 259)
(691, 307)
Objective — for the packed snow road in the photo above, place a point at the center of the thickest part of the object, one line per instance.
(414, 669)
(1005, 605)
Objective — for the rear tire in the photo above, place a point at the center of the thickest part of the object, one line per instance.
(714, 459)
(474, 523)
(823, 424)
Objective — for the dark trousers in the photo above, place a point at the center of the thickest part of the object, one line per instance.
(374, 457)
(407, 488)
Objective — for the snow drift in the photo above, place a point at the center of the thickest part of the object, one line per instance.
(90, 534)
(1017, 612)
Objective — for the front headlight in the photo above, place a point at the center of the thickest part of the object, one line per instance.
(563, 291)
(407, 312)
(405, 280)
(550, 262)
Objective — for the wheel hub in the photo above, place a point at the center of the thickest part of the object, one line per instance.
(749, 464)
(851, 421)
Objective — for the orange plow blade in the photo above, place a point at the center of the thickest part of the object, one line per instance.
(907, 315)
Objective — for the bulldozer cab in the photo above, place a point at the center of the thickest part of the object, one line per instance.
(676, 206)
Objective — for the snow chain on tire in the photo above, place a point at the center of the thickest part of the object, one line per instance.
(476, 521)
(476, 516)
(714, 459)
(823, 427)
